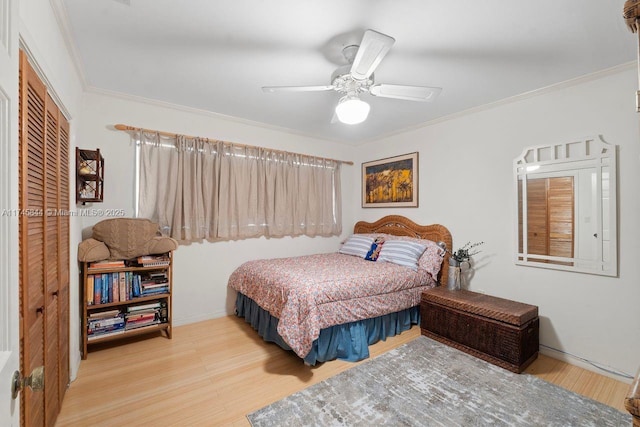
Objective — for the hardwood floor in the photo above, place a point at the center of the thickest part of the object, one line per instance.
(215, 372)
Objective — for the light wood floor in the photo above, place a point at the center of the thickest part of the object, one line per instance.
(215, 372)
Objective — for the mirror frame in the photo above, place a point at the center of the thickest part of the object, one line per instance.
(548, 160)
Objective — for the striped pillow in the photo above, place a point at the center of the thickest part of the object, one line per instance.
(357, 245)
(402, 253)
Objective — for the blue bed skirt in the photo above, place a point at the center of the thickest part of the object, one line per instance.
(349, 341)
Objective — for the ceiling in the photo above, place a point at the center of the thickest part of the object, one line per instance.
(216, 55)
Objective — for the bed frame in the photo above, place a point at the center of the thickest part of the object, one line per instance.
(351, 341)
(401, 226)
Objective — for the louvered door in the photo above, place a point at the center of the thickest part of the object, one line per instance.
(63, 260)
(537, 217)
(44, 247)
(550, 217)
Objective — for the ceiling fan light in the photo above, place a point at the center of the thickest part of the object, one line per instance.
(352, 110)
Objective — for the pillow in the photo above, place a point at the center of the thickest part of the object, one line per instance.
(402, 252)
(128, 238)
(357, 245)
(90, 250)
(376, 247)
(431, 259)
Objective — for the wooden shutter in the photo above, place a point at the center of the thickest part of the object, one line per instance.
(537, 221)
(561, 217)
(51, 205)
(44, 247)
(63, 259)
(550, 217)
(33, 94)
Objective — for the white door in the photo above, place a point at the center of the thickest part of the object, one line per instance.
(9, 320)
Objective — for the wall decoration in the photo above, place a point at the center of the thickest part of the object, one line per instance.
(390, 182)
(89, 176)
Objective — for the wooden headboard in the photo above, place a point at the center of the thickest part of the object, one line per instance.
(402, 226)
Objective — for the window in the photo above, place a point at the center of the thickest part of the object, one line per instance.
(201, 189)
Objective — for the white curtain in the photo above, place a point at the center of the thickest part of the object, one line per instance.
(198, 189)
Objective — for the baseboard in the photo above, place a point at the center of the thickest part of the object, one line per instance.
(571, 360)
(180, 321)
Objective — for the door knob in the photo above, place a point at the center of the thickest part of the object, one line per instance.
(35, 381)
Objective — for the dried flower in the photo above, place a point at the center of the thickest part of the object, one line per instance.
(465, 252)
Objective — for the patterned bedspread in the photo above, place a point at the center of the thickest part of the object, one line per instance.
(309, 293)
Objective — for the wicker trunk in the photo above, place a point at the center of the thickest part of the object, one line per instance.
(497, 330)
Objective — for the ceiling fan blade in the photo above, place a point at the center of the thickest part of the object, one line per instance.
(409, 93)
(373, 47)
(271, 89)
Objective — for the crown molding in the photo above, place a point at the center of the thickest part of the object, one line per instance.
(201, 112)
(516, 98)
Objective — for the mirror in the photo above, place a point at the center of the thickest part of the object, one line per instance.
(566, 207)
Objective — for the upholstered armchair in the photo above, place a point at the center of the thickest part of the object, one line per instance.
(124, 238)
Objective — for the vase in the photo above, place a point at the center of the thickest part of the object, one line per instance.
(454, 279)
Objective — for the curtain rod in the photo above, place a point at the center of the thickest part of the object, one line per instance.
(127, 128)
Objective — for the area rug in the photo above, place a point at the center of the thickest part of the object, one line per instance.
(426, 383)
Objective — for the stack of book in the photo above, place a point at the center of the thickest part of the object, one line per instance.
(154, 283)
(154, 260)
(105, 323)
(139, 316)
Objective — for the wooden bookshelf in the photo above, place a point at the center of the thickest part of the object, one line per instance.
(117, 306)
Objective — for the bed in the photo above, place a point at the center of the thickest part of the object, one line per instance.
(333, 306)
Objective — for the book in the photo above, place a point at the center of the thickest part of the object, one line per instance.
(115, 280)
(97, 289)
(132, 314)
(136, 285)
(92, 337)
(107, 264)
(122, 284)
(89, 295)
(104, 314)
(133, 308)
(103, 323)
(105, 288)
(154, 261)
(135, 325)
(153, 285)
(130, 284)
(141, 317)
(155, 291)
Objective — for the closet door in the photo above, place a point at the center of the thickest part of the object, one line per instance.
(63, 260)
(550, 217)
(44, 247)
(537, 217)
(51, 206)
(33, 95)
(561, 217)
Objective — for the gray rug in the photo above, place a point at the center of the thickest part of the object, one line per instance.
(425, 383)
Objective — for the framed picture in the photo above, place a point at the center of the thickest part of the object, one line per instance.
(391, 182)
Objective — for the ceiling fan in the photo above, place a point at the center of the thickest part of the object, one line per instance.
(357, 78)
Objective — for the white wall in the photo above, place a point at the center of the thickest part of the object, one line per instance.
(466, 183)
(201, 269)
(44, 43)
